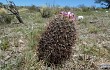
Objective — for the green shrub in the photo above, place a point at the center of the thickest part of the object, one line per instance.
(33, 8)
(6, 18)
(46, 12)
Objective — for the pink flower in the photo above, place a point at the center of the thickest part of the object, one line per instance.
(69, 15)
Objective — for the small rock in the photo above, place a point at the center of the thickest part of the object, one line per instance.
(93, 21)
(106, 11)
(96, 11)
(21, 41)
(105, 66)
(85, 43)
(7, 57)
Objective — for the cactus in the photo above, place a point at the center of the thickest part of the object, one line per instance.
(55, 45)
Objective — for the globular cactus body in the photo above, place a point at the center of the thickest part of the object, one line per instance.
(55, 45)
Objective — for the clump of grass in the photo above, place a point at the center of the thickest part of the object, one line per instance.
(46, 12)
(39, 20)
(84, 13)
(34, 34)
(83, 21)
(95, 18)
(32, 40)
(6, 18)
(89, 50)
(4, 44)
(93, 29)
(26, 60)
